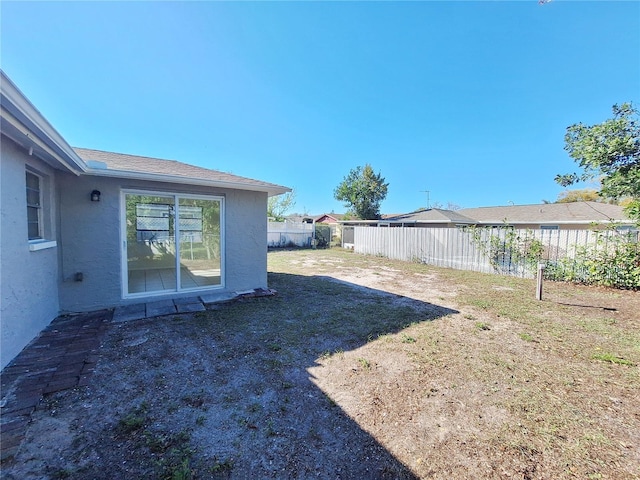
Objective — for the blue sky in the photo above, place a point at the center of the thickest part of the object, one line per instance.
(468, 100)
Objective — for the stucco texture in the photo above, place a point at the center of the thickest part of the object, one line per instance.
(28, 279)
(92, 242)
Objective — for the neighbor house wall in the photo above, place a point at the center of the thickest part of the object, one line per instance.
(92, 243)
(28, 279)
(561, 226)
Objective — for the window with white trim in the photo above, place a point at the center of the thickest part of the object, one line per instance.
(550, 229)
(34, 206)
(630, 231)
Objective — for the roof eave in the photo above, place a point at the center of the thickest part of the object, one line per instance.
(270, 189)
(28, 127)
(359, 221)
(554, 222)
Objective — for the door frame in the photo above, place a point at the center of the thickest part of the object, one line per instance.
(124, 271)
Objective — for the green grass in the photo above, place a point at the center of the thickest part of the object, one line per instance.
(531, 363)
(134, 420)
(530, 360)
(364, 363)
(482, 326)
(481, 303)
(611, 358)
(221, 466)
(172, 451)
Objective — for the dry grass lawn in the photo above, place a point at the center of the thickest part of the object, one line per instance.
(360, 367)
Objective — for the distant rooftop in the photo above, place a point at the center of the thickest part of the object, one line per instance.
(574, 212)
(433, 215)
(582, 213)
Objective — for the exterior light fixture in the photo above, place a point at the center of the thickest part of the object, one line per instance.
(95, 196)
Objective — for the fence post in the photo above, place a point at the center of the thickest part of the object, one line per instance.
(539, 281)
(313, 235)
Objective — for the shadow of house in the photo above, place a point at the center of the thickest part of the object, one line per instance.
(245, 369)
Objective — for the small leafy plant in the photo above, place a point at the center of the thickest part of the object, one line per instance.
(609, 357)
(365, 363)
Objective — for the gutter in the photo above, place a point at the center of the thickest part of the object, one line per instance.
(271, 190)
(23, 116)
(551, 222)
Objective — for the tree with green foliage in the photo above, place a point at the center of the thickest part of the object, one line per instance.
(609, 151)
(581, 195)
(362, 191)
(279, 205)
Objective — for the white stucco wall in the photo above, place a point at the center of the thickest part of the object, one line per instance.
(92, 243)
(246, 240)
(28, 279)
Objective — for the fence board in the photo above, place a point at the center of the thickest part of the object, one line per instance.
(477, 250)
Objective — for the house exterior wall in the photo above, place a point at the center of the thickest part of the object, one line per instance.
(28, 279)
(562, 226)
(246, 240)
(92, 241)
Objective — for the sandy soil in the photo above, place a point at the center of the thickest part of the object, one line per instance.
(358, 368)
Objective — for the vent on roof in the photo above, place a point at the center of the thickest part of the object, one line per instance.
(96, 164)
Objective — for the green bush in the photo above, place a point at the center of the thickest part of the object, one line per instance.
(507, 248)
(613, 261)
(323, 235)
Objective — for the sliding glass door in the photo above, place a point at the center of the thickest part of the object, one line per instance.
(172, 243)
(199, 227)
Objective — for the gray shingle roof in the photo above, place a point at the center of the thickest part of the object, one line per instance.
(433, 215)
(116, 164)
(575, 212)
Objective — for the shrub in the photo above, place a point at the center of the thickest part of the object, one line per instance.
(612, 261)
(323, 235)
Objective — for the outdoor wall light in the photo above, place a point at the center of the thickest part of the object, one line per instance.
(95, 196)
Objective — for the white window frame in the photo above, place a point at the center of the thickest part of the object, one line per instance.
(630, 231)
(40, 242)
(124, 275)
(37, 206)
(551, 229)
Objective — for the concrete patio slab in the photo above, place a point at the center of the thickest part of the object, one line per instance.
(125, 313)
(190, 307)
(217, 297)
(186, 300)
(160, 307)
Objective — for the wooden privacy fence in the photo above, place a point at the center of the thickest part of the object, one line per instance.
(503, 250)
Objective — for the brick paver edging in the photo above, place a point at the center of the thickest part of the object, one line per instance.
(63, 356)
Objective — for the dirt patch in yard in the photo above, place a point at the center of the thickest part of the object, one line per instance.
(359, 368)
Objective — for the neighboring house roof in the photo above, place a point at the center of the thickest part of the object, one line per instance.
(297, 218)
(577, 213)
(433, 215)
(329, 218)
(122, 165)
(25, 125)
(549, 213)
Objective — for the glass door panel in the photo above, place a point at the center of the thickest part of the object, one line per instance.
(199, 232)
(150, 243)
